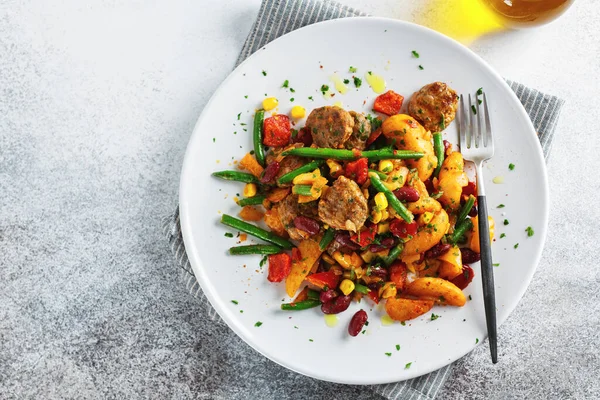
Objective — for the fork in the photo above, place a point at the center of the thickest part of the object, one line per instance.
(478, 146)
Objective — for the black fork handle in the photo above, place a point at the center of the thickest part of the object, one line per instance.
(487, 276)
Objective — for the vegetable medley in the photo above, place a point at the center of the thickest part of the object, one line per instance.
(361, 206)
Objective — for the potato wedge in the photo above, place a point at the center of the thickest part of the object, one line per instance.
(451, 180)
(405, 309)
(309, 254)
(474, 238)
(428, 235)
(434, 288)
(274, 222)
(425, 203)
(451, 264)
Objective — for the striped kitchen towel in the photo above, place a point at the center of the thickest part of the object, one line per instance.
(276, 18)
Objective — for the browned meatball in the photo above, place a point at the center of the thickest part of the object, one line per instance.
(343, 206)
(330, 126)
(289, 209)
(360, 132)
(434, 106)
(288, 164)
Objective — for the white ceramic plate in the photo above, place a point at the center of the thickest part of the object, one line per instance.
(301, 341)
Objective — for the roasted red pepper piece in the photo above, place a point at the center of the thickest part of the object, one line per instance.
(403, 229)
(277, 130)
(373, 136)
(373, 295)
(357, 170)
(463, 280)
(366, 236)
(322, 279)
(398, 273)
(279, 267)
(388, 103)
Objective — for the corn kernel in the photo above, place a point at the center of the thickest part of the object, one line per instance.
(298, 112)
(327, 258)
(425, 218)
(392, 185)
(388, 290)
(386, 166)
(270, 103)
(348, 261)
(376, 216)
(367, 256)
(383, 227)
(347, 287)
(250, 190)
(384, 215)
(334, 167)
(381, 201)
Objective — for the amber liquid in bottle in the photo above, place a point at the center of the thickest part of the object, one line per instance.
(528, 13)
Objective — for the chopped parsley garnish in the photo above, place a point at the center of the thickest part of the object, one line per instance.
(239, 115)
(214, 140)
(479, 101)
(241, 311)
(295, 327)
(529, 231)
(292, 90)
(421, 67)
(470, 298)
(415, 54)
(366, 323)
(476, 340)
(292, 100)
(473, 109)
(479, 91)
(388, 354)
(397, 347)
(407, 366)
(434, 316)
(257, 324)
(516, 246)
(369, 72)
(324, 89)
(403, 323)
(502, 235)
(229, 235)
(311, 98)
(286, 84)
(234, 302)
(346, 81)
(375, 122)
(246, 96)
(352, 70)
(506, 222)
(357, 82)
(511, 166)
(496, 264)
(264, 72)
(500, 206)
(263, 261)
(310, 340)
(252, 152)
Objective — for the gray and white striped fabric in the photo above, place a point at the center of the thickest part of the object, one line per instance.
(278, 17)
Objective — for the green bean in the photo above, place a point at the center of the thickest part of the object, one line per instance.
(251, 201)
(391, 198)
(340, 154)
(257, 136)
(466, 208)
(254, 249)
(381, 175)
(302, 190)
(311, 166)
(393, 254)
(460, 230)
(327, 238)
(301, 305)
(361, 288)
(438, 147)
(312, 294)
(255, 231)
(236, 176)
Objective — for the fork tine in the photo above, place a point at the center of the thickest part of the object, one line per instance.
(463, 124)
(488, 128)
(473, 133)
(480, 139)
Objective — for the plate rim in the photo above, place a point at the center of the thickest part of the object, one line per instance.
(195, 259)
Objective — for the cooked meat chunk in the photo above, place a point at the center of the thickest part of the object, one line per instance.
(288, 164)
(289, 209)
(360, 132)
(343, 206)
(330, 126)
(434, 106)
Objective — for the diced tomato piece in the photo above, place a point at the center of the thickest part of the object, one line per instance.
(398, 273)
(388, 103)
(374, 135)
(365, 236)
(322, 279)
(403, 229)
(277, 130)
(303, 136)
(357, 170)
(470, 189)
(279, 267)
(463, 280)
(373, 295)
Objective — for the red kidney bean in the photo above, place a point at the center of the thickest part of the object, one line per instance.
(437, 250)
(337, 305)
(379, 272)
(357, 322)
(407, 193)
(470, 189)
(270, 172)
(385, 244)
(402, 229)
(429, 186)
(473, 212)
(306, 224)
(469, 256)
(327, 296)
(463, 280)
(343, 238)
(303, 136)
